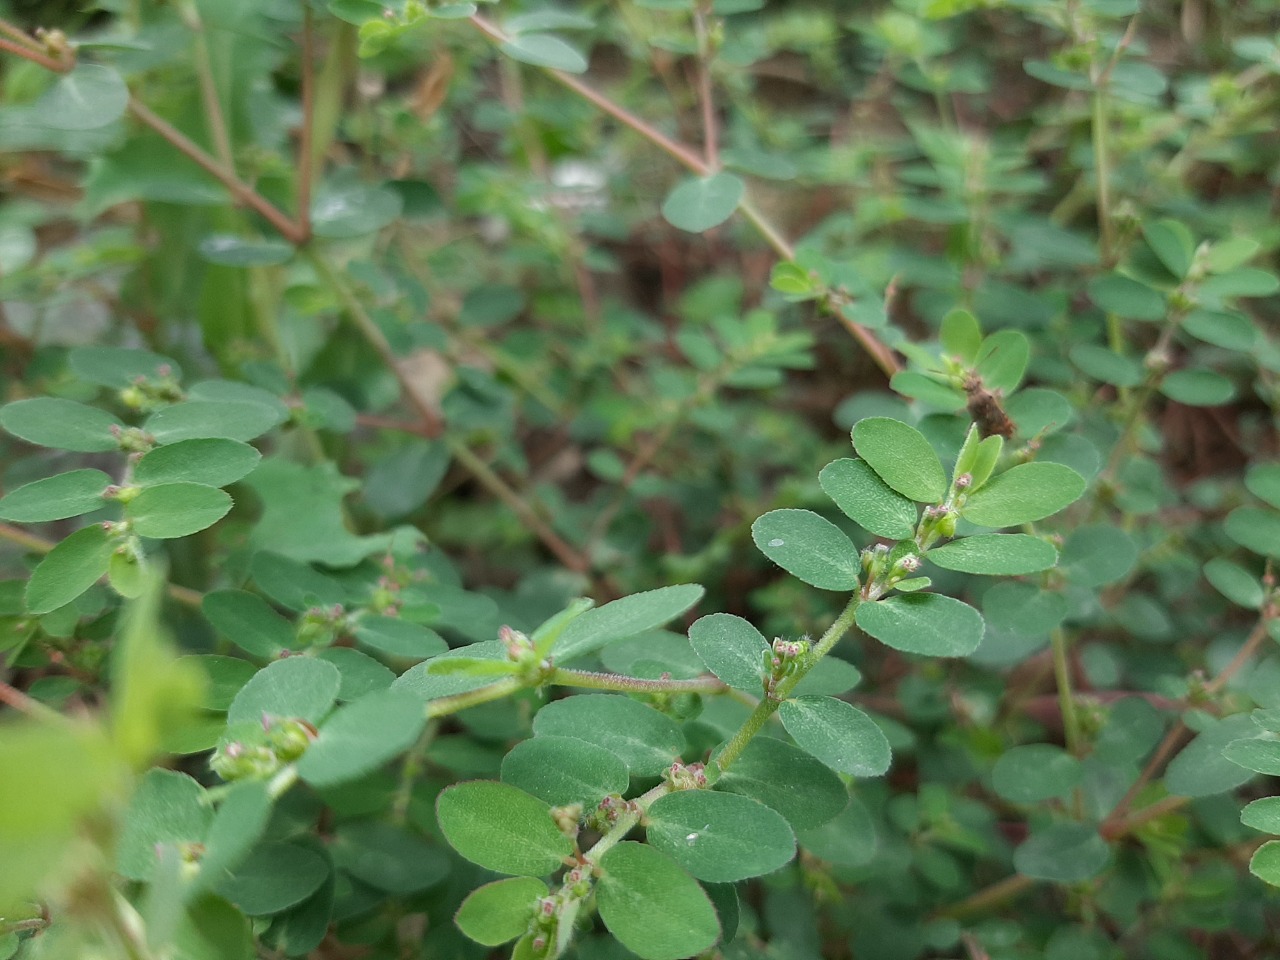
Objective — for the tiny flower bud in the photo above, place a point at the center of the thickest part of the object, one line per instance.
(964, 481)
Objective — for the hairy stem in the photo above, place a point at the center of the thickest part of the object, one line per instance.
(444, 706)
(592, 680)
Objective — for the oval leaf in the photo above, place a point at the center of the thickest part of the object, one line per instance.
(654, 908)
(89, 97)
(501, 828)
(732, 649)
(624, 618)
(399, 638)
(838, 734)
(1063, 853)
(241, 420)
(867, 500)
(69, 569)
(61, 424)
(1022, 494)
(720, 837)
(173, 510)
(1035, 772)
(925, 623)
(499, 911)
(787, 779)
(215, 462)
(565, 770)
(362, 736)
(995, 554)
(902, 457)
(297, 687)
(249, 622)
(644, 739)
(544, 50)
(56, 498)
(699, 204)
(808, 547)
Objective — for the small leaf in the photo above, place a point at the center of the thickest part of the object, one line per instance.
(995, 554)
(1107, 366)
(61, 424)
(1022, 494)
(69, 569)
(1263, 481)
(119, 367)
(867, 500)
(961, 335)
(249, 622)
(1259, 754)
(56, 498)
(499, 911)
(1097, 554)
(343, 210)
(1262, 815)
(362, 736)
(89, 97)
(399, 638)
(699, 204)
(1234, 582)
(274, 877)
(216, 462)
(924, 623)
(1226, 329)
(623, 618)
(902, 457)
(1255, 529)
(644, 739)
(720, 837)
(239, 823)
(1173, 243)
(565, 770)
(501, 828)
(1002, 360)
(652, 906)
(1201, 770)
(1063, 853)
(1126, 297)
(1198, 388)
(202, 419)
(229, 250)
(808, 547)
(544, 50)
(732, 649)
(167, 808)
(1265, 863)
(1034, 773)
(795, 783)
(838, 734)
(389, 857)
(296, 687)
(172, 510)
(361, 674)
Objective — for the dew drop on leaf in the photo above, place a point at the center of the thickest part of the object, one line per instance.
(776, 542)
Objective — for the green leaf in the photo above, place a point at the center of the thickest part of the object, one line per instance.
(644, 739)
(961, 335)
(1106, 365)
(1173, 243)
(1022, 494)
(361, 674)
(501, 828)
(720, 837)
(216, 462)
(1198, 388)
(1231, 252)
(388, 857)
(1263, 481)
(1097, 554)
(274, 877)
(61, 424)
(796, 784)
(239, 823)
(1035, 772)
(89, 97)
(847, 840)
(1246, 282)
(902, 457)
(343, 210)
(167, 808)
(296, 687)
(732, 649)
(212, 929)
(1062, 853)
(838, 734)
(1259, 754)
(249, 622)
(1002, 360)
(831, 676)
(565, 770)
(229, 250)
(173, 510)
(1262, 815)
(867, 500)
(69, 569)
(808, 547)
(995, 554)
(499, 911)
(204, 419)
(1255, 529)
(1126, 297)
(547, 19)
(118, 367)
(1201, 770)
(700, 203)
(399, 638)
(925, 623)
(1265, 863)
(55, 498)
(623, 618)
(544, 50)
(653, 907)
(1234, 582)
(1229, 330)
(362, 736)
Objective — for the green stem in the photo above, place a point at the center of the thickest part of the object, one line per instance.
(473, 698)
(592, 680)
(625, 823)
(769, 705)
(1066, 700)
